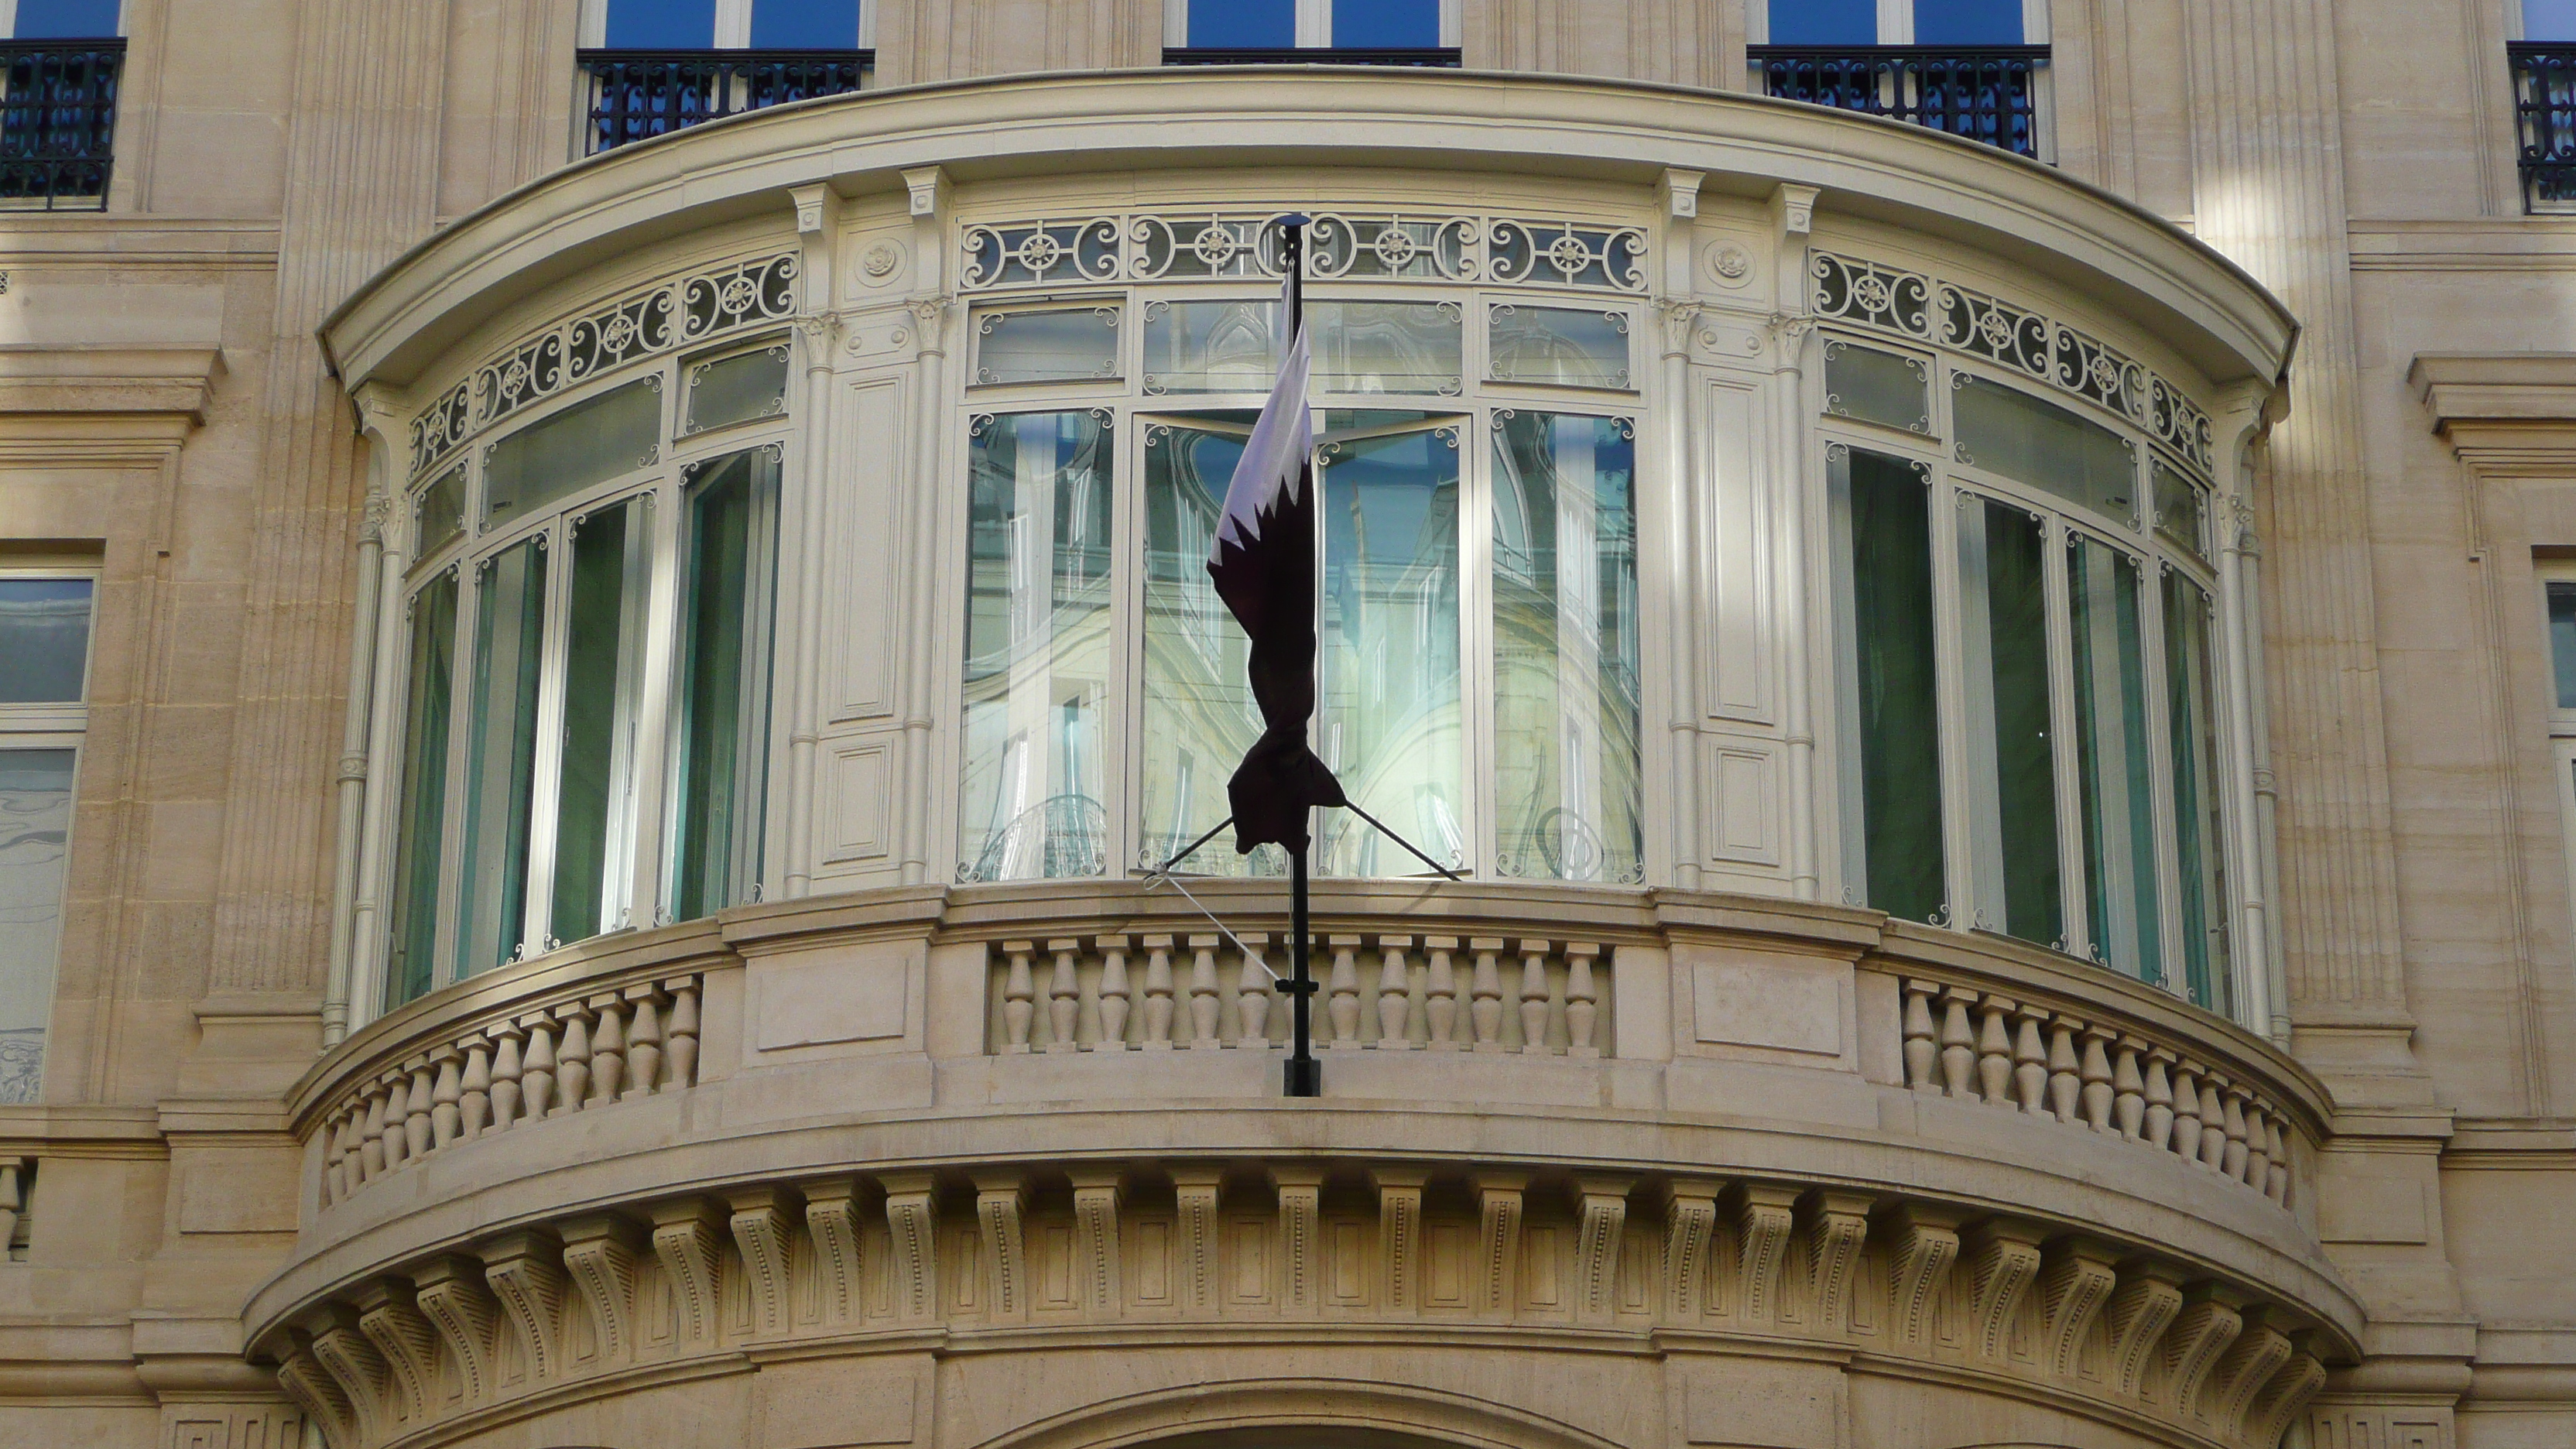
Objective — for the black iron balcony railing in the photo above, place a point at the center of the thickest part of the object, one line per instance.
(2544, 113)
(1985, 93)
(1427, 55)
(636, 95)
(57, 122)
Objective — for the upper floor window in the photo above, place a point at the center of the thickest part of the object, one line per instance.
(657, 66)
(1974, 68)
(44, 717)
(2544, 87)
(60, 64)
(2558, 598)
(1385, 32)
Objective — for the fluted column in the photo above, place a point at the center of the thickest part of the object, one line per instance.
(2267, 165)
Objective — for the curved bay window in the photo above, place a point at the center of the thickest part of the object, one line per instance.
(2028, 721)
(586, 686)
(1477, 603)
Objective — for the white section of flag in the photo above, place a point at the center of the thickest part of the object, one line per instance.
(1273, 457)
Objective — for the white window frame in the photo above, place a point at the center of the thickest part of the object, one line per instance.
(2562, 719)
(733, 24)
(1896, 22)
(1315, 23)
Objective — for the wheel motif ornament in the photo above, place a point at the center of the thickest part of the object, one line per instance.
(514, 378)
(2105, 374)
(617, 334)
(1872, 295)
(1997, 330)
(1395, 247)
(1040, 253)
(1215, 245)
(737, 295)
(1569, 255)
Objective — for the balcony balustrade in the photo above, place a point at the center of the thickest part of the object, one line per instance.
(1985, 93)
(636, 95)
(2544, 108)
(57, 122)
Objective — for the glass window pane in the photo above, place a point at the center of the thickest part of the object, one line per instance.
(1568, 757)
(2562, 641)
(602, 647)
(1211, 346)
(1377, 347)
(1392, 692)
(431, 677)
(661, 24)
(1562, 346)
(805, 24)
(1032, 798)
(737, 389)
(1877, 387)
(66, 19)
(501, 756)
(2182, 512)
(1386, 24)
(438, 515)
(1824, 22)
(2111, 751)
(44, 640)
(2003, 606)
(35, 848)
(1199, 714)
(2004, 430)
(1967, 22)
(2199, 830)
(724, 689)
(615, 432)
(1891, 765)
(1231, 23)
(2549, 19)
(1051, 346)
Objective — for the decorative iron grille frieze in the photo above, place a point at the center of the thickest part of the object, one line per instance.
(57, 122)
(670, 314)
(1216, 246)
(1985, 93)
(2544, 110)
(1926, 309)
(636, 95)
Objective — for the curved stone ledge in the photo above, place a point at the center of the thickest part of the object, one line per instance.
(1567, 1258)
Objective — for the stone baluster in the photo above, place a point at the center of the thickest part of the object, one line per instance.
(2064, 1086)
(1582, 1000)
(2129, 1088)
(2213, 1123)
(1344, 1004)
(1958, 1044)
(337, 1182)
(2231, 1152)
(682, 1045)
(537, 1070)
(392, 1130)
(446, 1113)
(2095, 1074)
(1252, 993)
(2258, 1148)
(1534, 996)
(2186, 1122)
(607, 1050)
(1485, 994)
(2160, 1099)
(2277, 1186)
(1114, 1002)
(1204, 1007)
(1440, 992)
(1064, 996)
(474, 1089)
(1019, 997)
(1394, 993)
(644, 1042)
(371, 1137)
(572, 1059)
(1158, 993)
(1922, 1044)
(2029, 1059)
(1995, 1052)
(417, 1135)
(508, 1088)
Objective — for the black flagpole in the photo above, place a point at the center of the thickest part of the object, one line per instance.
(1304, 1075)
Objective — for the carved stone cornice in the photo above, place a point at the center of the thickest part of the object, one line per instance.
(179, 381)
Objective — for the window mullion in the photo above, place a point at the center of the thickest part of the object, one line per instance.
(650, 882)
(1949, 663)
(2073, 892)
(1121, 795)
(1896, 22)
(1478, 716)
(733, 24)
(546, 782)
(460, 732)
(1314, 23)
(2157, 675)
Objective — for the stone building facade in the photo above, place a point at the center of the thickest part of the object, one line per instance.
(606, 692)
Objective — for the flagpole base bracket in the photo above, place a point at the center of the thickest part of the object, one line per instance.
(1303, 1077)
